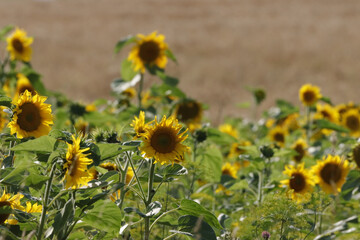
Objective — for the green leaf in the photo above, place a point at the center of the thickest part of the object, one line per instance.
(211, 161)
(166, 90)
(171, 81)
(133, 209)
(108, 150)
(36, 181)
(63, 219)
(5, 30)
(323, 123)
(35, 79)
(242, 184)
(219, 137)
(16, 176)
(127, 70)
(153, 209)
(189, 207)
(170, 55)
(196, 226)
(123, 42)
(175, 170)
(5, 101)
(44, 144)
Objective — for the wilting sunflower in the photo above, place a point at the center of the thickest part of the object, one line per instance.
(76, 166)
(149, 50)
(278, 135)
(10, 201)
(301, 182)
(163, 141)
(300, 147)
(230, 170)
(351, 120)
(228, 129)
(18, 45)
(32, 117)
(189, 111)
(23, 84)
(330, 173)
(309, 94)
(139, 125)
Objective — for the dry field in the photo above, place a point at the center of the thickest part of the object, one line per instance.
(221, 45)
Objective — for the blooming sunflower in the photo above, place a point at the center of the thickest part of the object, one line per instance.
(351, 120)
(139, 125)
(330, 173)
(23, 84)
(10, 201)
(109, 166)
(327, 112)
(278, 135)
(228, 129)
(309, 94)
(76, 166)
(35, 208)
(229, 170)
(300, 147)
(301, 182)
(149, 50)
(32, 117)
(189, 111)
(291, 122)
(18, 45)
(163, 141)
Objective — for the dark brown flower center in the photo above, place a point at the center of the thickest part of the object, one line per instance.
(29, 88)
(17, 45)
(300, 152)
(352, 122)
(309, 96)
(325, 114)
(29, 119)
(331, 173)
(279, 137)
(226, 172)
(4, 216)
(297, 182)
(188, 111)
(163, 141)
(149, 51)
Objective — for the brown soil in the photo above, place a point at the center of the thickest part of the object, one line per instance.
(221, 46)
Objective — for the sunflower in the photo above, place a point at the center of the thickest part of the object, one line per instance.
(291, 122)
(228, 129)
(116, 195)
(76, 166)
(19, 46)
(300, 148)
(139, 125)
(90, 108)
(309, 94)
(163, 141)
(3, 119)
(301, 182)
(237, 148)
(149, 50)
(327, 112)
(229, 170)
(35, 208)
(330, 173)
(10, 201)
(189, 111)
(278, 135)
(23, 84)
(32, 117)
(129, 92)
(351, 120)
(109, 166)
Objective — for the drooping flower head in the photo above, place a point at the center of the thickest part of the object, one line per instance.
(351, 120)
(18, 45)
(330, 173)
(309, 94)
(149, 50)
(301, 182)
(6, 200)
(32, 117)
(76, 165)
(163, 141)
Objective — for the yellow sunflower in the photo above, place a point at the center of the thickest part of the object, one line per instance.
(109, 166)
(3, 118)
(330, 173)
(230, 170)
(237, 148)
(300, 183)
(90, 108)
(351, 120)
(309, 94)
(163, 141)
(35, 208)
(228, 129)
(76, 166)
(129, 93)
(291, 122)
(32, 117)
(10, 201)
(19, 46)
(116, 195)
(278, 135)
(149, 50)
(23, 84)
(327, 112)
(300, 147)
(139, 125)
(189, 111)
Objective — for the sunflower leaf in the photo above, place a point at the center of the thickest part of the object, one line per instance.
(123, 42)
(5, 30)
(42, 144)
(167, 79)
(127, 71)
(323, 123)
(195, 225)
(153, 209)
(170, 55)
(5, 101)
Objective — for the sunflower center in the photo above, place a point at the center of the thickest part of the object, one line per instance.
(73, 166)
(4, 216)
(279, 137)
(309, 96)
(149, 51)
(187, 111)
(17, 45)
(325, 114)
(330, 173)
(29, 119)
(24, 88)
(353, 123)
(297, 182)
(163, 142)
(301, 152)
(226, 172)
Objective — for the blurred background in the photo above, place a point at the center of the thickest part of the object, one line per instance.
(221, 45)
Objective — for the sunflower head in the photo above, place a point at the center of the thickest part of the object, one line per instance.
(189, 111)
(229, 170)
(23, 84)
(330, 173)
(309, 94)
(327, 112)
(18, 45)
(228, 129)
(76, 165)
(6, 200)
(109, 166)
(351, 120)
(291, 122)
(33, 208)
(300, 183)
(237, 148)
(163, 141)
(278, 135)
(32, 117)
(300, 147)
(139, 125)
(149, 50)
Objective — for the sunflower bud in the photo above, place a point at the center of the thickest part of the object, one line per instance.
(266, 151)
(200, 136)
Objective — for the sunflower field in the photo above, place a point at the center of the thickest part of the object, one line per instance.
(149, 165)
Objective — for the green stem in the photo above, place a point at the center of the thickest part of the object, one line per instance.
(135, 174)
(194, 172)
(169, 237)
(308, 123)
(141, 84)
(123, 180)
(260, 188)
(45, 202)
(149, 198)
